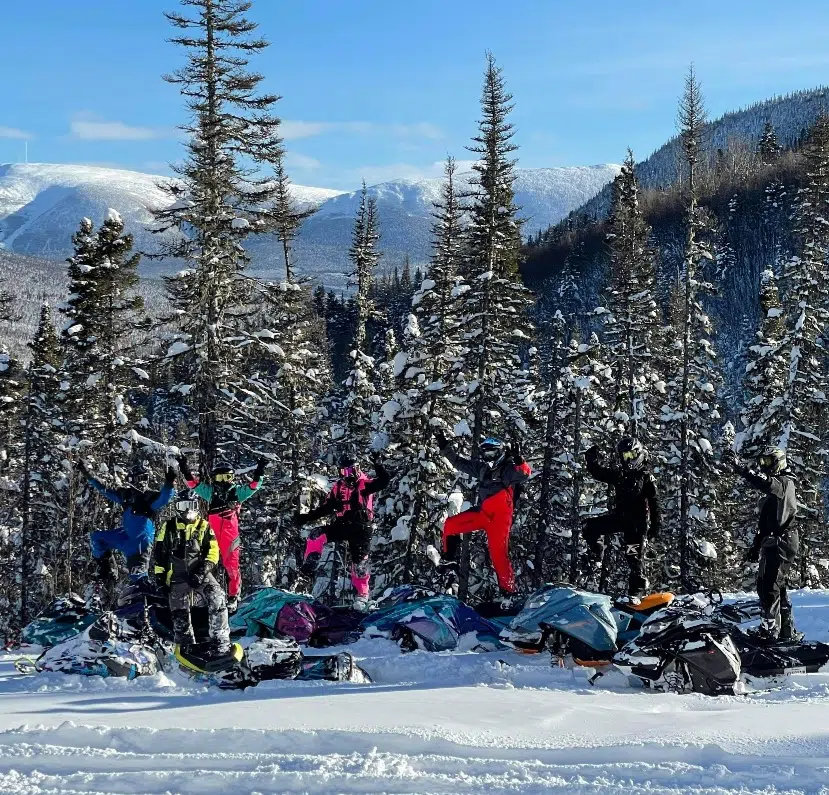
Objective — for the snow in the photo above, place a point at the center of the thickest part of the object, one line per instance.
(401, 358)
(431, 723)
(114, 216)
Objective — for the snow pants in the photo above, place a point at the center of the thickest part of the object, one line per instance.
(597, 529)
(181, 598)
(137, 549)
(226, 530)
(494, 517)
(355, 531)
(777, 556)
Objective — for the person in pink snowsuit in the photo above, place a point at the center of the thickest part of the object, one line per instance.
(224, 498)
(352, 501)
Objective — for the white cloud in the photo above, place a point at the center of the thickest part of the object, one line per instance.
(86, 128)
(294, 129)
(374, 174)
(299, 161)
(13, 132)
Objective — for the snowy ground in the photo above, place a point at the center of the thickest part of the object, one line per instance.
(447, 723)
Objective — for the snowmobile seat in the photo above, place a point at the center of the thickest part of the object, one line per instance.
(647, 604)
(198, 658)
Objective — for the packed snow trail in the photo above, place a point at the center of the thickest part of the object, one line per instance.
(431, 723)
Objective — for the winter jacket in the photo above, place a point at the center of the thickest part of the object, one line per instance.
(778, 510)
(183, 549)
(636, 502)
(351, 497)
(491, 480)
(141, 508)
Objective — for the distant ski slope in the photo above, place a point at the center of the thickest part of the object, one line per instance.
(41, 206)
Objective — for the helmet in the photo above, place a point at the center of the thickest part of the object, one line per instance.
(631, 453)
(492, 451)
(140, 476)
(187, 506)
(348, 466)
(772, 460)
(223, 473)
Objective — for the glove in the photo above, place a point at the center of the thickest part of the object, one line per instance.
(593, 453)
(196, 578)
(232, 604)
(82, 468)
(515, 452)
(170, 477)
(184, 467)
(300, 518)
(440, 438)
(752, 555)
(260, 469)
(376, 460)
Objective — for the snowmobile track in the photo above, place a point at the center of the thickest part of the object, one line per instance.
(61, 761)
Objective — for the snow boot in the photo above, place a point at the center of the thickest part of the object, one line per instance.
(788, 633)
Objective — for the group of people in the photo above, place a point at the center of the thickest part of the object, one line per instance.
(187, 548)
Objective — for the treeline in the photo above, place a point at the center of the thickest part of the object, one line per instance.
(241, 368)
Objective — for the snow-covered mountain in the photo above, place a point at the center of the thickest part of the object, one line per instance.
(41, 205)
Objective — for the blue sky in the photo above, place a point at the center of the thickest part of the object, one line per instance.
(386, 88)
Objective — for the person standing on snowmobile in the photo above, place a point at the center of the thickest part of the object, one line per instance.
(185, 556)
(352, 501)
(777, 541)
(636, 514)
(134, 539)
(499, 469)
(224, 500)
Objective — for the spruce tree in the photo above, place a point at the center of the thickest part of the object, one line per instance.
(218, 200)
(42, 491)
(768, 149)
(494, 309)
(803, 411)
(633, 317)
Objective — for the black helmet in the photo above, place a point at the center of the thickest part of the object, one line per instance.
(140, 476)
(631, 453)
(348, 466)
(772, 460)
(492, 451)
(187, 505)
(223, 473)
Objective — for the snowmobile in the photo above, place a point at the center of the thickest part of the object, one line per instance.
(63, 619)
(587, 627)
(761, 659)
(683, 649)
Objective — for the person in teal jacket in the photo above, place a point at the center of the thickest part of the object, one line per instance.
(224, 498)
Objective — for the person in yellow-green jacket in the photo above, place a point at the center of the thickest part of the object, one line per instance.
(186, 554)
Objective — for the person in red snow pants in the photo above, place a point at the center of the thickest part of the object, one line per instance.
(499, 470)
(224, 499)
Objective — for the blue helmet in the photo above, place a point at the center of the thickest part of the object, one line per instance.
(492, 451)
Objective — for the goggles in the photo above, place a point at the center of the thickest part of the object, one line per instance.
(223, 477)
(185, 506)
(767, 461)
(349, 472)
(630, 455)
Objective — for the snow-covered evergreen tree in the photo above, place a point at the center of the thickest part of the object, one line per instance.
(690, 413)
(803, 411)
(633, 317)
(42, 562)
(217, 201)
(494, 308)
(769, 149)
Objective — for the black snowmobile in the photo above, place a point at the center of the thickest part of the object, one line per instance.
(762, 659)
(683, 649)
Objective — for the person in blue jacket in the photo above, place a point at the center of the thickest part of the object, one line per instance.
(134, 539)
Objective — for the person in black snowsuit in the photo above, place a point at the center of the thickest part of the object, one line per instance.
(186, 554)
(777, 542)
(636, 514)
(351, 499)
